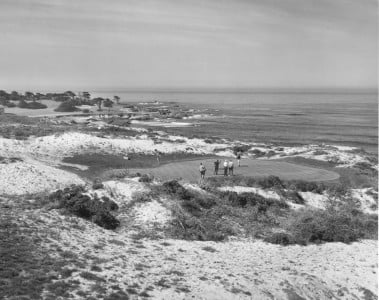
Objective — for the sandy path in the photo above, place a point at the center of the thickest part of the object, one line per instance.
(188, 170)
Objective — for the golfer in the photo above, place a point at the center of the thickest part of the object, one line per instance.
(226, 168)
(202, 170)
(231, 167)
(217, 165)
(239, 158)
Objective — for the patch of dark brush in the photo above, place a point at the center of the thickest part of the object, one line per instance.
(76, 202)
(339, 223)
(26, 269)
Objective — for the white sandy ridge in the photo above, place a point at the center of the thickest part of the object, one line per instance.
(234, 270)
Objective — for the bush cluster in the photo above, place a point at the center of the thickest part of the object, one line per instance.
(306, 186)
(264, 182)
(146, 178)
(205, 216)
(342, 224)
(173, 187)
(67, 106)
(241, 148)
(270, 182)
(336, 224)
(76, 202)
(281, 238)
(251, 199)
(31, 105)
(97, 184)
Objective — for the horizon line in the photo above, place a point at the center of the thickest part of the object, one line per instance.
(207, 89)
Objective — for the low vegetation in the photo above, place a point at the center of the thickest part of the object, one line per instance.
(336, 224)
(73, 200)
(31, 105)
(67, 106)
(214, 215)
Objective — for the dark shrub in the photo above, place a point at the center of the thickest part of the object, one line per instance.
(36, 105)
(240, 148)
(204, 201)
(67, 106)
(305, 186)
(174, 187)
(192, 207)
(98, 210)
(281, 238)
(109, 204)
(10, 104)
(251, 199)
(320, 152)
(98, 185)
(258, 153)
(31, 105)
(108, 103)
(146, 178)
(22, 104)
(270, 182)
(106, 220)
(336, 224)
(294, 197)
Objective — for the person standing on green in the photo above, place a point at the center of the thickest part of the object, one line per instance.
(226, 168)
(158, 155)
(216, 164)
(239, 158)
(202, 170)
(231, 168)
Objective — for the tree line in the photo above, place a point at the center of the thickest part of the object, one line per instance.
(69, 98)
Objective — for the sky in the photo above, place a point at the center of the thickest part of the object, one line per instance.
(126, 44)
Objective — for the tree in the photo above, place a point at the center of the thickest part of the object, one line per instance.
(15, 96)
(86, 95)
(98, 101)
(39, 96)
(67, 106)
(108, 103)
(116, 99)
(70, 94)
(4, 95)
(29, 95)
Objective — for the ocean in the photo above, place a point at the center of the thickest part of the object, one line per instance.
(349, 119)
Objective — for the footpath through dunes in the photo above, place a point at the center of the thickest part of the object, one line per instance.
(189, 170)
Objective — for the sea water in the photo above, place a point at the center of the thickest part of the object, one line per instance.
(281, 117)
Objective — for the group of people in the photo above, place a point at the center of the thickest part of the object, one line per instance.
(228, 167)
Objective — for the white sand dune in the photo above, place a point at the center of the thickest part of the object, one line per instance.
(119, 191)
(367, 199)
(343, 156)
(68, 144)
(315, 200)
(244, 189)
(150, 214)
(177, 269)
(33, 177)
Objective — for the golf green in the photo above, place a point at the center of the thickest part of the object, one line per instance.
(189, 170)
